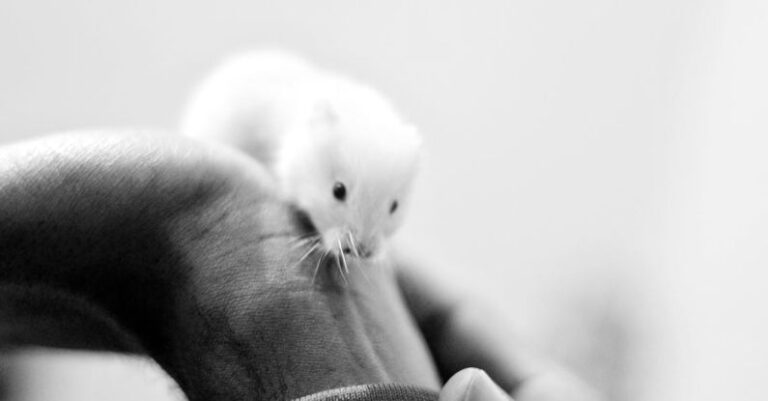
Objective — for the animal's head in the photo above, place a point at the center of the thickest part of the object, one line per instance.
(352, 175)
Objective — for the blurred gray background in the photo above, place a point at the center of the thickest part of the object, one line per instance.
(595, 169)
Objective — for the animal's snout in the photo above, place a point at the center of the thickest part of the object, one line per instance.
(364, 251)
(355, 247)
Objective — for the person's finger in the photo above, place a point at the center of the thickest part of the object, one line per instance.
(472, 384)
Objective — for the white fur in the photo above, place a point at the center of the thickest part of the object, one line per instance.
(313, 128)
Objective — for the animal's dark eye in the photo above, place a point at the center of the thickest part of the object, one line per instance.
(339, 191)
(393, 207)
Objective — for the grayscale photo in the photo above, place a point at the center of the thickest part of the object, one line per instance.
(383, 201)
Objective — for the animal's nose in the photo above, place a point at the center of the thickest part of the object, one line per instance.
(364, 251)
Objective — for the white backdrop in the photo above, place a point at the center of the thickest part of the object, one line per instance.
(596, 169)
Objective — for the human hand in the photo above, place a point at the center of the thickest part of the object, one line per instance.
(142, 243)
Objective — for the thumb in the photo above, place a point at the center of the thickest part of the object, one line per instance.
(472, 384)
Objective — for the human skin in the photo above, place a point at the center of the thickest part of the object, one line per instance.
(146, 243)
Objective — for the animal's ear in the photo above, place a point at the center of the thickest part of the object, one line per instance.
(324, 114)
(410, 147)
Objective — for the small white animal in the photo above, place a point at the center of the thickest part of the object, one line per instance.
(338, 149)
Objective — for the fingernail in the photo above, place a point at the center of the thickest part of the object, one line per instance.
(483, 388)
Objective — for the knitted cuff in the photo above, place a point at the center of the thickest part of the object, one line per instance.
(374, 392)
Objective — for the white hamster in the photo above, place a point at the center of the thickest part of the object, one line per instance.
(339, 150)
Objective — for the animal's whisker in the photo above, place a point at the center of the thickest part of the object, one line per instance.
(362, 272)
(309, 252)
(343, 258)
(341, 270)
(304, 241)
(317, 267)
(299, 245)
(352, 244)
(299, 238)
